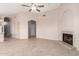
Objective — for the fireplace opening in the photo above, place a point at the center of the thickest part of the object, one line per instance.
(68, 38)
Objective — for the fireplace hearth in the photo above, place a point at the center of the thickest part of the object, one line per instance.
(68, 38)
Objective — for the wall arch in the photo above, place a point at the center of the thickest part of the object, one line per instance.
(67, 20)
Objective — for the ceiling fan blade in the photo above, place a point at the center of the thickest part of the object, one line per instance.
(30, 10)
(38, 10)
(40, 5)
(25, 5)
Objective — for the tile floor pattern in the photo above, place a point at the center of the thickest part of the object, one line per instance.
(34, 47)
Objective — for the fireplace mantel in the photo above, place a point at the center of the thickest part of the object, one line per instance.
(68, 32)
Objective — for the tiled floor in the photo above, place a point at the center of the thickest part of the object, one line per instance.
(35, 47)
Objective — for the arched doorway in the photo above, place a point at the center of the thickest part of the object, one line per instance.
(31, 29)
(7, 30)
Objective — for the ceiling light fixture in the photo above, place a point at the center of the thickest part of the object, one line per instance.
(33, 7)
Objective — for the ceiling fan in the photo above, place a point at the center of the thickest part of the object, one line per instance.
(33, 7)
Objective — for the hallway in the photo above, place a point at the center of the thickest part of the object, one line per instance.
(35, 47)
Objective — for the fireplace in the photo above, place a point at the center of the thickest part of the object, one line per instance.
(68, 38)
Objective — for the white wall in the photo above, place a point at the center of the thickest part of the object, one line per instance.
(1, 30)
(47, 27)
(69, 22)
(66, 19)
(15, 30)
(76, 27)
(20, 25)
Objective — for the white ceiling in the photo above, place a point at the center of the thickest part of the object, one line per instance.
(13, 8)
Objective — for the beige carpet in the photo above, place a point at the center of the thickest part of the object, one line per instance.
(34, 47)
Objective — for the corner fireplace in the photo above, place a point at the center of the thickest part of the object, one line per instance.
(68, 38)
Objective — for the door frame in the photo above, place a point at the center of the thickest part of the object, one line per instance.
(29, 22)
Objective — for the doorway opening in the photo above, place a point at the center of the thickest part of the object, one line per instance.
(31, 29)
(7, 30)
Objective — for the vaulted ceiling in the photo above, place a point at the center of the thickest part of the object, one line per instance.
(14, 8)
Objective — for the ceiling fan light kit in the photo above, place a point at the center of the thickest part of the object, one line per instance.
(33, 7)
